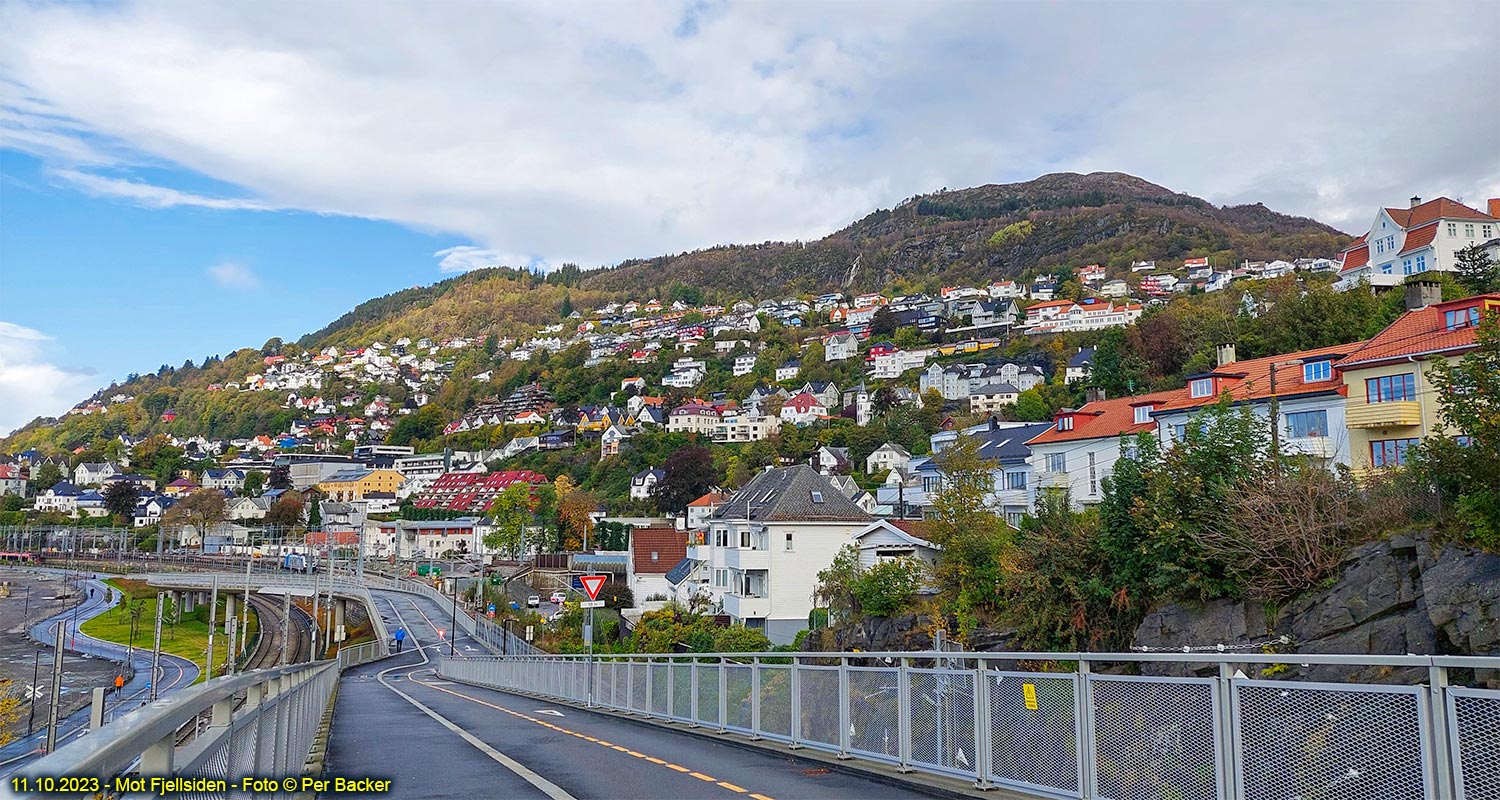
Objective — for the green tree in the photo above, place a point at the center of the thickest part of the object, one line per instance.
(426, 422)
(255, 483)
(1467, 471)
(510, 511)
(45, 477)
(567, 306)
(978, 547)
(314, 513)
(1477, 271)
(120, 498)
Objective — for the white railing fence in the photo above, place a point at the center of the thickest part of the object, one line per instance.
(1067, 734)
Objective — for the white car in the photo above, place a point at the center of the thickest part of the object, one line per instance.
(533, 601)
(557, 598)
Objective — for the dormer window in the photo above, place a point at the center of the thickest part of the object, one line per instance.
(817, 497)
(1202, 387)
(1065, 423)
(1142, 414)
(1315, 371)
(1461, 318)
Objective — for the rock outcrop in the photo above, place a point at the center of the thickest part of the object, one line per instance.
(1396, 596)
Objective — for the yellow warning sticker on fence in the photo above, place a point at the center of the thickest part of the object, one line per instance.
(1028, 692)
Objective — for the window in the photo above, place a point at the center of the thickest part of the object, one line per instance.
(1307, 424)
(1065, 423)
(745, 539)
(1014, 518)
(1202, 387)
(1469, 231)
(1015, 480)
(789, 541)
(1422, 263)
(1179, 433)
(721, 538)
(1391, 388)
(817, 497)
(1390, 243)
(1453, 229)
(1488, 231)
(1142, 414)
(1385, 269)
(1464, 441)
(1315, 371)
(1380, 246)
(1390, 452)
(1406, 267)
(1462, 318)
(1093, 477)
(1057, 462)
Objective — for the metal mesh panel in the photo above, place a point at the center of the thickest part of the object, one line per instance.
(1304, 740)
(1154, 738)
(818, 688)
(265, 741)
(1034, 732)
(776, 702)
(737, 688)
(622, 684)
(708, 693)
(874, 713)
(682, 691)
(1474, 719)
(942, 720)
(638, 699)
(661, 686)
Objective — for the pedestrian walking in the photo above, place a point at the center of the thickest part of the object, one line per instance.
(400, 638)
(119, 683)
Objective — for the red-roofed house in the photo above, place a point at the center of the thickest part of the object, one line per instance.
(474, 491)
(803, 409)
(1309, 395)
(704, 507)
(1079, 451)
(1390, 400)
(886, 539)
(653, 553)
(1410, 241)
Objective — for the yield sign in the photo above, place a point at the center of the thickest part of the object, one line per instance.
(592, 584)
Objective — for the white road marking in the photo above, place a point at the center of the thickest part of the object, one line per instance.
(548, 711)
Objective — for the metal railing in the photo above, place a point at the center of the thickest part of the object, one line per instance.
(261, 724)
(1067, 734)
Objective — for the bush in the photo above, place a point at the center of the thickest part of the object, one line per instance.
(889, 587)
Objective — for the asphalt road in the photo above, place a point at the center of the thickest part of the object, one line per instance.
(438, 739)
(173, 673)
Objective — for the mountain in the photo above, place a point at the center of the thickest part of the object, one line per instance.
(988, 232)
(966, 236)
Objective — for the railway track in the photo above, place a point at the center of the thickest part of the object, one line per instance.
(268, 650)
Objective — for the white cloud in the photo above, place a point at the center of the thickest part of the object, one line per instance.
(232, 275)
(31, 386)
(464, 258)
(595, 132)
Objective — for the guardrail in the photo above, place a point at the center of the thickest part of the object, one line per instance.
(261, 724)
(1073, 734)
(494, 637)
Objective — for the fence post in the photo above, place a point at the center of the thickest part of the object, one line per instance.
(903, 715)
(693, 693)
(723, 696)
(1083, 728)
(795, 726)
(630, 686)
(846, 721)
(650, 689)
(983, 749)
(1228, 755)
(755, 698)
(1441, 781)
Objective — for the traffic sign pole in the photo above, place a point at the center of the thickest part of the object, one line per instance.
(591, 584)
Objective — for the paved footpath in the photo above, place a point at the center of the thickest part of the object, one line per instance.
(434, 738)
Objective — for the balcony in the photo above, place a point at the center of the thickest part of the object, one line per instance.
(1383, 415)
(737, 558)
(1053, 480)
(1009, 497)
(698, 552)
(1313, 446)
(745, 607)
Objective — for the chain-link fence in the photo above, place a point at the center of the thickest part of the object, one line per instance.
(1077, 734)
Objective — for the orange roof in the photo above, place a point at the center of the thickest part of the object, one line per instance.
(1103, 419)
(1418, 238)
(655, 551)
(1400, 215)
(1356, 258)
(1422, 332)
(1049, 304)
(914, 528)
(1441, 208)
(710, 499)
(1251, 379)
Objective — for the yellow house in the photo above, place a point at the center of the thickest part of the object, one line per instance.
(354, 484)
(1391, 403)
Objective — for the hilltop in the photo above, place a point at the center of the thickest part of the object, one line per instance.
(959, 237)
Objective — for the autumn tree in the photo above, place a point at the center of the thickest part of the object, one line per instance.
(202, 510)
(977, 545)
(575, 510)
(687, 475)
(285, 512)
(120, 498)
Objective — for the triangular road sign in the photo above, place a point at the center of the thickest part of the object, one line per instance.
(592, 584)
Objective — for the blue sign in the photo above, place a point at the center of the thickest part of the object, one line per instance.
(492, 608)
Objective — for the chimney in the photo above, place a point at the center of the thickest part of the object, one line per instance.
(1421, 294)
(1415, 201)
(1094, 394)
(1495, 207)
(1226, 354)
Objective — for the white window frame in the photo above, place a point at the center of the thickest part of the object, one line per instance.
(1202, 387)
(1142, 415)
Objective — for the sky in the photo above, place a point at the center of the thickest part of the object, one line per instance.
(180, 179)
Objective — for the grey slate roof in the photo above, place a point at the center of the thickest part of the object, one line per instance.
(1008, 445)
(1082, 358)
(785, 495)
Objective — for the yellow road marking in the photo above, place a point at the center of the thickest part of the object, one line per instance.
(634, 753)
(731, 787)
(674, 766)
(655, 760)
(700, 776)
(760, 797)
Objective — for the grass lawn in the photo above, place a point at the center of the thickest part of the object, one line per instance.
(187, 638)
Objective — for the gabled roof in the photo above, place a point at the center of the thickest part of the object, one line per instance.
(796, 493)
(913, 531)
(1439, 208)
(1421, 332)
(1102, 419)
(1356, 257)
(1008, 445)
(1418, 238)
(1082, 358)
(1250, 380)
(710, 499)
(668, 545)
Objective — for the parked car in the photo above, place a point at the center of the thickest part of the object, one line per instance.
(533, 601)
(558, 598)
